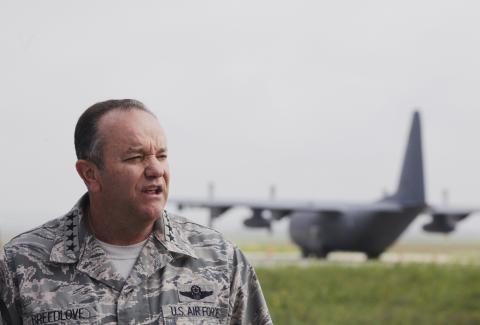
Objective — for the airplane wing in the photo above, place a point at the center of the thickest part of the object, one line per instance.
(444, 219)
(304, 206)
(280, 209)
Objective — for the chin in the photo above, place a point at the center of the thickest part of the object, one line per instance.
(153, 213)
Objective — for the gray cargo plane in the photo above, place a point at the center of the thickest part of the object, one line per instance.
(319, 228)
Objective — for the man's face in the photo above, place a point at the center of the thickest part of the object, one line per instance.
(135, 175)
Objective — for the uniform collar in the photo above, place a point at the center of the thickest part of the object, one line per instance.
(74, 235)
(171, 235)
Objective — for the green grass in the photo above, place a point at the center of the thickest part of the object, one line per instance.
(269, 248)
(373, 293)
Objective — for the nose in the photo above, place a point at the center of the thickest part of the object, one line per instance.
(154, 168)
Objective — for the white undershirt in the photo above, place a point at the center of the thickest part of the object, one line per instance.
(123, 258)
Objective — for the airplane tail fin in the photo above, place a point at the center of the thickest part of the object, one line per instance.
(411, 188)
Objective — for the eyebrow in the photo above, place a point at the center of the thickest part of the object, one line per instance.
(134, 149)
(139, 149)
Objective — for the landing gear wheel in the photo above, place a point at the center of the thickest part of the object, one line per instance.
(321, 253)
(373, 255)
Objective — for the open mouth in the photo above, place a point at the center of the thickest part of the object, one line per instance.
(152, 190)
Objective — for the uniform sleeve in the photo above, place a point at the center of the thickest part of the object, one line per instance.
(247, 304)
(8, 311)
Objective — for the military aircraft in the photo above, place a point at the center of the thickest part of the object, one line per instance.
(319, 228)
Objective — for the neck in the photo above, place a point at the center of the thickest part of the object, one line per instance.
(116, 228)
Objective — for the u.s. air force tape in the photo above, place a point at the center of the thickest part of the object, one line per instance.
(187, 312)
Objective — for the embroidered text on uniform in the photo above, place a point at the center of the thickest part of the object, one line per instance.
(60, 315)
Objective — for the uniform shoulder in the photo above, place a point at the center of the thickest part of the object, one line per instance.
(200, 236)
(39, 239)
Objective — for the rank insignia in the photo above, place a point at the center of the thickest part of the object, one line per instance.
(71, 234)
(168, 230)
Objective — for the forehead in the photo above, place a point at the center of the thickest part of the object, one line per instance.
(134, 127)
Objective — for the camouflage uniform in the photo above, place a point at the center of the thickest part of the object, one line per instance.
(185, 274)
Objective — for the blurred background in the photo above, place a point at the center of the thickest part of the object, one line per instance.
(312, 97)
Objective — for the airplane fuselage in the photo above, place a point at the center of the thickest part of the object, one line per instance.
(317, 234)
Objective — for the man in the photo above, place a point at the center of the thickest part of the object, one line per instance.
(118, 257)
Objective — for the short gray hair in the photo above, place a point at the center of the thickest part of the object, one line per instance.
(88, 144)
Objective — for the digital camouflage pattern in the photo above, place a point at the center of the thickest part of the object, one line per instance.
(185, 274)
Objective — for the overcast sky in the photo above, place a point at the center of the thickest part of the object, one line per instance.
(312, 96)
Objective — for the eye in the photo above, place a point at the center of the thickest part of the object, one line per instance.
(162, 156)
(134, 158)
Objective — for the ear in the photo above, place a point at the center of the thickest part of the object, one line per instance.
(89, 173)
